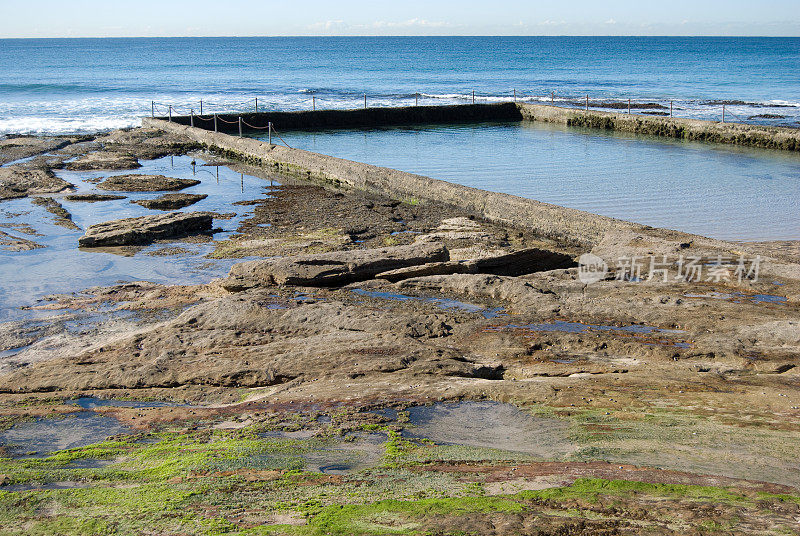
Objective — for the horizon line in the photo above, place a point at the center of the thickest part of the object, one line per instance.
(297, 36)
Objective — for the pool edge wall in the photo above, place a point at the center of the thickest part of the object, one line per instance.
(569, 226)
(765, 137)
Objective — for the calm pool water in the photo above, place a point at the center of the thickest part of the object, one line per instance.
(713, 190)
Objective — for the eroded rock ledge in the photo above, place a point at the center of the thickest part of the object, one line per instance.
(145, 229)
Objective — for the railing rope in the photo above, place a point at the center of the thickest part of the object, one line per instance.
(698, 109)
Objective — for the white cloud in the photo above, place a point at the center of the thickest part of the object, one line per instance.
(340, 26)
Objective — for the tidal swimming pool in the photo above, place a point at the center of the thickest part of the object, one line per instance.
(720, 191)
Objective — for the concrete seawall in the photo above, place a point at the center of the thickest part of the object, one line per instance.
(670, 127)
(366, 117)
(580, 228)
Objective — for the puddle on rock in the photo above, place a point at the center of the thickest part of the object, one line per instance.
(492, 425)
(41, 437)
(48, 486)
(89, 403)
(441, 303)
(346, 457)
(740, 297)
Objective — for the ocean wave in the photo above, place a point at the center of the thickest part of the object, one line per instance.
(73, 125)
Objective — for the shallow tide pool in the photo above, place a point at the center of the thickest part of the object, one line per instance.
(714, 190)
(61, 267)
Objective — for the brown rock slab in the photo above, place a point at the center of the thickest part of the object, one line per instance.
(93, 198)
(520, 262)
(145, 229)
(170, 201)
(18, 182)
(104, 160)
(332, 269)
(422, 270)
(145, 183)
(524, 261)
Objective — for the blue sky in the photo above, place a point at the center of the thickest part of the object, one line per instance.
(102, 18)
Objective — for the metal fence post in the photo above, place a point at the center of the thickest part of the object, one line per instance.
(552, 97)
(256, 104)
(670, 108)
(215, 123)
(170, 113)
(191, 118)
(269, 126)
(152, 108)
(365, 101)
(629, 106)
(314, 103)
(587, 103)
(201, 106)
(416, 99)
(240, 126)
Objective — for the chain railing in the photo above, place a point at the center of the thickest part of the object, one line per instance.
(656, 107)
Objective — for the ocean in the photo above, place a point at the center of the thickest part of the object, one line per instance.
(85, 85)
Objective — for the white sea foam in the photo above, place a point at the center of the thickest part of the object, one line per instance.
(56, 125)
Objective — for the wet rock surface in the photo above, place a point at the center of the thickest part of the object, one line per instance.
(17, 243)
(16, 181)
(170, 201)
(146, 229)
(20, 147)
(61, 216)
(145, 183)
(93, 198)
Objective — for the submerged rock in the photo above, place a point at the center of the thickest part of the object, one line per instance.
(61, 216)
(92, 198)
(18, 182)
(145, 183)
(15, 243)
(104, 160)
(170, 201)
(332, 269)
(146, 229)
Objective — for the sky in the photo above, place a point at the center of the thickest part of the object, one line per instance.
(167, 18)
